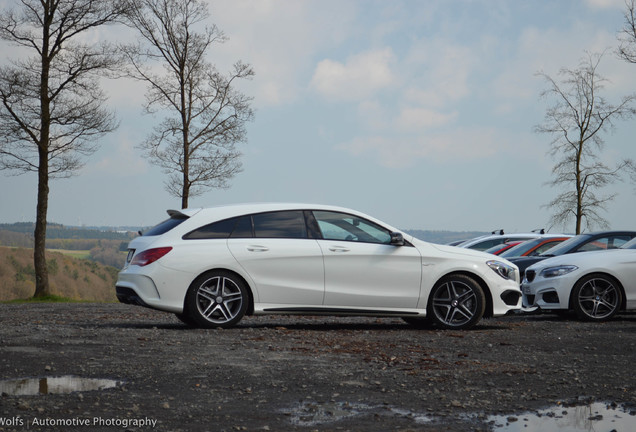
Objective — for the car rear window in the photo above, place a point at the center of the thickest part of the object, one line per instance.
(165, 226)
(234, 227)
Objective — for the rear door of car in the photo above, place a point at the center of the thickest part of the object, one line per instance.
(285, 265)
(362, 268)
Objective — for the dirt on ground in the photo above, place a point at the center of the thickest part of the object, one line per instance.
(286, 373)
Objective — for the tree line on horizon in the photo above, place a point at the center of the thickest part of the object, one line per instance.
(52, 114)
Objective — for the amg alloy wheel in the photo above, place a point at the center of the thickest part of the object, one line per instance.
(217, 299)
(456, 302)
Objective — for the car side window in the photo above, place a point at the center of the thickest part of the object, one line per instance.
(618, 241)
(233, 227)
(282, 224)
(544, 247)
(595, 245)
(346, 227)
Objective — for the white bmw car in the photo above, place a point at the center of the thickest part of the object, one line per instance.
(595, 285)
(213, 266)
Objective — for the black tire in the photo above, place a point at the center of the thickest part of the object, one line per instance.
(185, 319)
(456, 302)
(216, 299)
(596, 297)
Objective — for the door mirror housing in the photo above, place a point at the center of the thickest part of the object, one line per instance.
(397, 239)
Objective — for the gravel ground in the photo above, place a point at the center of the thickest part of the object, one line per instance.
(280, 373)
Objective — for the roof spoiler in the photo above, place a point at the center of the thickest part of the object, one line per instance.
(177, 214)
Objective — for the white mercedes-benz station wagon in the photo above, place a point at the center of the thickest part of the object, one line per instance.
(213, 266)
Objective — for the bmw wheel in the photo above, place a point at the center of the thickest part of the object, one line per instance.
(596, 297)
(456, 302)
(216, 299)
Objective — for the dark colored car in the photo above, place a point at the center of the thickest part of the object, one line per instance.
(534, 247)
(596, 241)
(500, 248)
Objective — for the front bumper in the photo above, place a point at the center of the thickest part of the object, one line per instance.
(549, 294)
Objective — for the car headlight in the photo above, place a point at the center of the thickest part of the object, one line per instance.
(502, 269)
(561, 270)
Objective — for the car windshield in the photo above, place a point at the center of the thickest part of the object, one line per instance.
(520, 249)
(630, 244)
(566, 246)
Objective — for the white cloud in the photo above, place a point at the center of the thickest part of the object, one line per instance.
(438, 71)
(125, 160)
(359, 78)
(415, 119)
(400, 151)
(280, 39)
(606, 4)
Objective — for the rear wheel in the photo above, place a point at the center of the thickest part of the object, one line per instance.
(216, 299)
(456, 302)
(596, 297)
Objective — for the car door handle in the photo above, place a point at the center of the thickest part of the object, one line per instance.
(338, 249)
(256, 248)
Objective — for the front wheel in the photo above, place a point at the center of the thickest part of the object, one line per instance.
(216, 299)
(456, 302)
(596, 298)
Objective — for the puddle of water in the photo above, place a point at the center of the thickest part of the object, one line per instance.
(312, 414)
(597, 416)
(54, 385)
(594, 417)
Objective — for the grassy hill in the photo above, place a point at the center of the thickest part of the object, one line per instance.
(69, 277)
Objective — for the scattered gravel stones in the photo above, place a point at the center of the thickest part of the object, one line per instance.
(304, 373)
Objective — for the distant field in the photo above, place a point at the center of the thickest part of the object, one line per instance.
(79, 254)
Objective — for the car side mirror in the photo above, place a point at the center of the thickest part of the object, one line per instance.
(397, 239)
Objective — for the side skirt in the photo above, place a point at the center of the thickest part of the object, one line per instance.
(336, 311)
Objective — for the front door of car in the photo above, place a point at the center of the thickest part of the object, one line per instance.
(362, 268)
(286, 267)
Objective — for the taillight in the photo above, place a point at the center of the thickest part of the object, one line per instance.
(149, 256)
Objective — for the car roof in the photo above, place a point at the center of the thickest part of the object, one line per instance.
(500, 235)
(220, 212)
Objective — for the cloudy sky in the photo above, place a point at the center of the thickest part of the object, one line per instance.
(420, 113)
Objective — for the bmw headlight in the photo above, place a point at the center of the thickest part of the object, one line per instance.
(503, 270)
(556, 271)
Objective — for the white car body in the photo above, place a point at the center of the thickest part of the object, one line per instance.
(549, 284)
(309, 275)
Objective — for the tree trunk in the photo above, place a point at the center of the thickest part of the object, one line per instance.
(39, 248)
(39, 252)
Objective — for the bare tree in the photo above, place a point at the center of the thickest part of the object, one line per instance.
(576, 119)
(196, 142)
(627, 35)
(51, 108)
